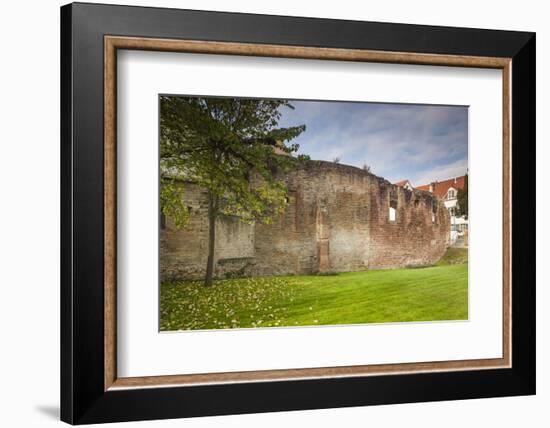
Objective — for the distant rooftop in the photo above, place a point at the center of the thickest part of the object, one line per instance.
(440, 188)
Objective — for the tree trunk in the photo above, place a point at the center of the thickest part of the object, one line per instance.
(211, 240)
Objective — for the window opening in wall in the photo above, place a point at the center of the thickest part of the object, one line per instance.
(434, 211)
(393, 210)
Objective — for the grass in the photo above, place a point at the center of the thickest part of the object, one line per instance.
(454, 256)
(397, 295)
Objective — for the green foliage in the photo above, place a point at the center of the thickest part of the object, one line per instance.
(397, 295)
(172, 204)
(462, 199)
(228, 146)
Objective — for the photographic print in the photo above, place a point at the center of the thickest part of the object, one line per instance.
(292, 213)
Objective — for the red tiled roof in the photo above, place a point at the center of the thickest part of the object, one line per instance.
(401, 183)
(423, 187)
(440, 188)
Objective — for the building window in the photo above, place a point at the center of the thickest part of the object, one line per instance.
(451, 194)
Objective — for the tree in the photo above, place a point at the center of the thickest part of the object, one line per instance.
(462, 198)
(171, 201)
(366, 167)
(234, 149)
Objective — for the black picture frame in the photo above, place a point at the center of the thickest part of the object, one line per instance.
(83, 398)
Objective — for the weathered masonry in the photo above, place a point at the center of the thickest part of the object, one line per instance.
(338, 219)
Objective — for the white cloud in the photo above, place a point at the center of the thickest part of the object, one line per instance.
(396, 140)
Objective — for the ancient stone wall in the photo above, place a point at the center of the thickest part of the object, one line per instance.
(337, 220)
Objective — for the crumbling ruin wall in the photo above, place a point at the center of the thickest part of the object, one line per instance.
(183, 252)
(419, 235)
(337, 220)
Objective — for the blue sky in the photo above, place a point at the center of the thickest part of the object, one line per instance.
(419, 142)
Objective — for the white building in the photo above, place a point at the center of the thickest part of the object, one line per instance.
(405, 183)
(447, 190)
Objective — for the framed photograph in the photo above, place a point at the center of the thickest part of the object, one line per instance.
(266, 213)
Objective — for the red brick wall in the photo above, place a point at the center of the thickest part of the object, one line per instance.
(337, 220)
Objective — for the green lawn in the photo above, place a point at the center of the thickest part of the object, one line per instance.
(454, 256)
(397, 295)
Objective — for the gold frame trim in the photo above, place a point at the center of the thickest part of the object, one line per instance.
(112, 43)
